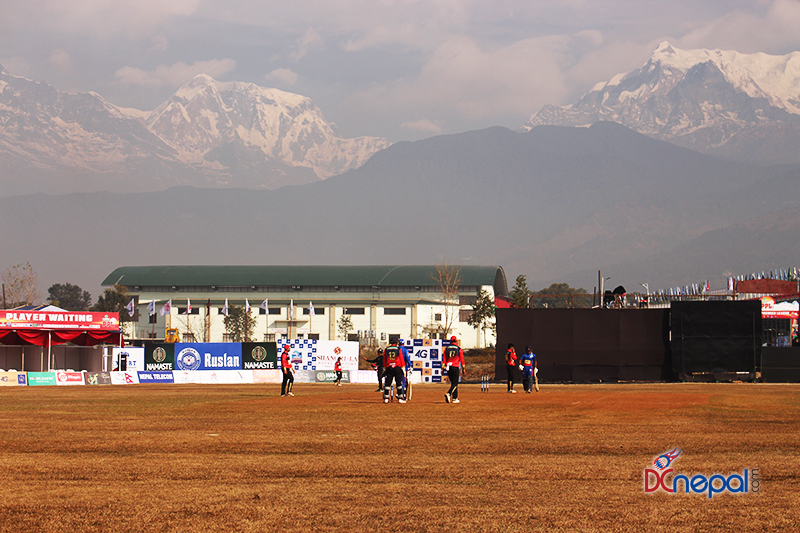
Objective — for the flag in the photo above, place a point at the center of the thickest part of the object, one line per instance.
(265, 306)
(246, 306)
(167, 309)
(225, 308)
(310, 309)
(151, 307)
(129, 307)
(188, 307)
(291, 309)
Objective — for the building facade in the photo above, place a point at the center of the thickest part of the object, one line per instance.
(371, 304)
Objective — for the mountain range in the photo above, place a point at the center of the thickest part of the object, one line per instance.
(207, 134)
(738, 106)
(554, 204)
(201, 180)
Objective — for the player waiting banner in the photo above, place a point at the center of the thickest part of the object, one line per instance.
(426, 358)
(312, 355)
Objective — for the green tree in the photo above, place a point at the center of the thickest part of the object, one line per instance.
(238, 325)
(70, 297)
(345, 326)
(114, 300)
(520, 293)
(561, 295)
(482, 313)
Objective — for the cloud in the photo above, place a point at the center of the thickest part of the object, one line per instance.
(479, 81)
(309, 41)
(283, 76)
(423, 125)
(774, 31)
(173, 75)
(60, 60)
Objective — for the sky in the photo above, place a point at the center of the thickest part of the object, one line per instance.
(399, 69)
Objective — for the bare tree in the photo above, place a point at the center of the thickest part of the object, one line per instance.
(448, 280)
(19, 285)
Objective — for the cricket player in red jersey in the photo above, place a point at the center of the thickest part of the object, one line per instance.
(453, 361)
(393, 368)
(288, 372)
(337, 367)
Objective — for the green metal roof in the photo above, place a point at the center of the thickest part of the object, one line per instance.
(378, 276)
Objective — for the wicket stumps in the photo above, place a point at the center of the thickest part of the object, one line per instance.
(485, 382)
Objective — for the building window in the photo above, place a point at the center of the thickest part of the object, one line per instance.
(353, 337)
(313, 336)
(317, 310)
(153, 319)
(354, 311)
(394, 310)
(151, 335)
(188, 337)
(464, 314)
(269, 337)
(272, 311)
(437, 317)
(467, 300)
(194, 311)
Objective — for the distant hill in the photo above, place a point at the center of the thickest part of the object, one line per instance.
(555, 204)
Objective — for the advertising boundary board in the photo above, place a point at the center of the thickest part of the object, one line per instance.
(67, 379)
(12, 378)
(146, 377)
(267, 376)
(98, 378)
(124, 378)
(38, 379)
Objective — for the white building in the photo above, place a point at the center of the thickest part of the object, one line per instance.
(382, 302)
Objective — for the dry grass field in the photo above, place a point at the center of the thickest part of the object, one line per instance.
(240, 458)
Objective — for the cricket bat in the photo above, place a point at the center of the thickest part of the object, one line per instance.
(408, 387)
(536, 378)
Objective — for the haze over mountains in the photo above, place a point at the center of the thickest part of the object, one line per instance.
(554, 203)
(208, 134)
(738, 106)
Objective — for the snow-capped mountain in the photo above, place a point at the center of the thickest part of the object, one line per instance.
(745, 106)
(208, 134)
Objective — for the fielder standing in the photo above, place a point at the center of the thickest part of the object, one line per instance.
(511, 364)
(288, 373)
(337, 367)
(377, 365)
(453, 361)
(529, 369)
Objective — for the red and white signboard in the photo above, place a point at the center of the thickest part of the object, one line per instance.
(83, 320)
(769, 309)
(69, 378)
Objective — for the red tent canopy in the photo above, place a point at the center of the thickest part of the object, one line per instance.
(45, 327)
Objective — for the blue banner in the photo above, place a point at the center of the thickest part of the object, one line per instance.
(208, 356)
(156, 377)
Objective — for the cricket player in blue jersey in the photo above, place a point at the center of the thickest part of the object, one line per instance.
(527, 363)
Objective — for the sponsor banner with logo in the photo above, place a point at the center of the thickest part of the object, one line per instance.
(159, 356)
(305, 376)
(98, 378)
(155, 377)
(134, 358)
(184, 377)
(84, 320)
(208, 356)
(41, 378)
(310, 354)
(267, 376)
(329, 376)
(13, 379)
(259, 355)
(228, 377)
(426, 359)
(69, 378)
(364, 376)
(124, 378)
